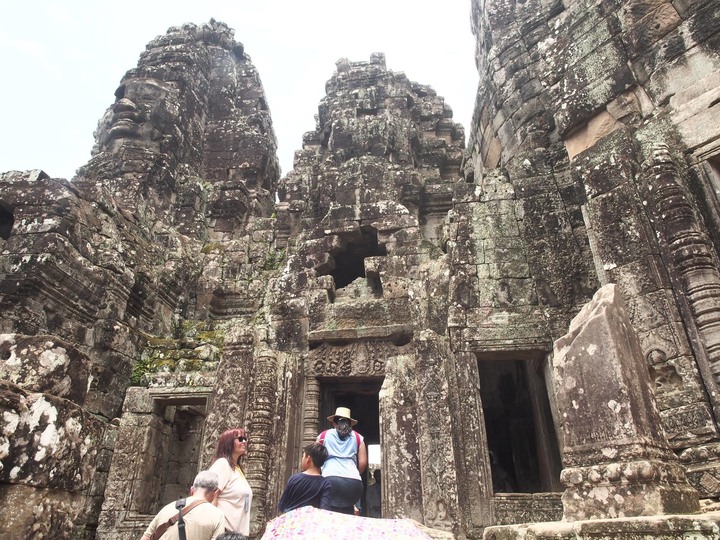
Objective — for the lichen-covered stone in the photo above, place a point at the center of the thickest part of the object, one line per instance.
(47, 441)
(393, 267)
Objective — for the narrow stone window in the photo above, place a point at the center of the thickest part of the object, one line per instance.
(523, 447)
(7, 220)
(183, 442)
(166, 467)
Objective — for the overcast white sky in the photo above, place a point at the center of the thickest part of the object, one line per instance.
(61, 61)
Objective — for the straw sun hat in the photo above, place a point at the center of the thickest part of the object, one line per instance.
(342, 412)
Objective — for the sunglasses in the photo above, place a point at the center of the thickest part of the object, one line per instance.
(241, 438)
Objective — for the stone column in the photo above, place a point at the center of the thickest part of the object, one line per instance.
(402, 480)
(260, 431)
(688, 249)
(473, 460)
(311, 410)
(227, 404)
(627, 252)
(615, 458)
(435, 421)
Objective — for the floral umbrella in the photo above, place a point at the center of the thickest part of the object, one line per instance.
(311, 523)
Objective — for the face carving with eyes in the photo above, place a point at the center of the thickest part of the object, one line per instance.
(146, 110)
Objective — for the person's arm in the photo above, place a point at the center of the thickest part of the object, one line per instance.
(222, 468)
(362, 457)
(219, 528)
(147, 535)
(325, 496)
(283, 498)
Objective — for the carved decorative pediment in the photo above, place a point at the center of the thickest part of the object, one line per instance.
(359, 359)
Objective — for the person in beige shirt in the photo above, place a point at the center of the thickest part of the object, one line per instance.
(234, 497)
(203, 522)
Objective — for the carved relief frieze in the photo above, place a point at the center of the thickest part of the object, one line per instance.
(692, 422)
(687, 248)
(511, 508)
(359, 359)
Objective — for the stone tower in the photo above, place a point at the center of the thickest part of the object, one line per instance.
(118, 273)
(177, 287)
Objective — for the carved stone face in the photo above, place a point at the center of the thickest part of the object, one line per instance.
(146, 110)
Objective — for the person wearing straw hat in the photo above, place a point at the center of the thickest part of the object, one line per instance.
(347, 460)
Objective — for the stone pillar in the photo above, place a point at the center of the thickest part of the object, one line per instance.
(689, 250)
(435, 421)
(471, 439)
(615, 458)
(402, 480)
(311, 411)
(627, 252)
(227, 404)
(260, 430)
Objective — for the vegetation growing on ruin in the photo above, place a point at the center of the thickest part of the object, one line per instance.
(197, 346)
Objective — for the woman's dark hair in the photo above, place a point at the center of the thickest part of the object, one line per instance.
(343, 428)
(226, 443)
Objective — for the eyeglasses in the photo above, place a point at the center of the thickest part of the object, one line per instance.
(241, 438)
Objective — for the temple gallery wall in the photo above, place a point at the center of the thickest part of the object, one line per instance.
(525, 318)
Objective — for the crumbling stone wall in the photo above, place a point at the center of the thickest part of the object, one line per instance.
(99, 275)
(618, 102)
(163, 295)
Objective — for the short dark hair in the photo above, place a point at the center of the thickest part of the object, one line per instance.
(317, 452)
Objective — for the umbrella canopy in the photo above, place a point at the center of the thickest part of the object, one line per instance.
(312, 523)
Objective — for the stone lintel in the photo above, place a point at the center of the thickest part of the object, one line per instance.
(185, 395)
(366, 332)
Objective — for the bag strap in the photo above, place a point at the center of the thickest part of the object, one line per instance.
(321, 438)
(181, 512)
(180, 521)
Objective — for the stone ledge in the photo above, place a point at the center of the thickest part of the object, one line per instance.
(669, 527)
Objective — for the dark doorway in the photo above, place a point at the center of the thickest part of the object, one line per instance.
(7, 220)
(523, 448)
(361, 396)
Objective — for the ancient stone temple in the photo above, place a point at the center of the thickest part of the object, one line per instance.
(526, 326)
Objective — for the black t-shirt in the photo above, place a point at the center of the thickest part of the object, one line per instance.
(305, 490)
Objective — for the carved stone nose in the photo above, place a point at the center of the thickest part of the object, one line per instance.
(125, 105)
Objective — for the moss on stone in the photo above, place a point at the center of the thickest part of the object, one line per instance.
(274, 259)
(186, 352)
(213, 247)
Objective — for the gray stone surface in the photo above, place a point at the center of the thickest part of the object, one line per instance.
(178, 287)
(617, 462)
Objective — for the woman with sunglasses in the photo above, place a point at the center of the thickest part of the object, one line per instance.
(234, 496)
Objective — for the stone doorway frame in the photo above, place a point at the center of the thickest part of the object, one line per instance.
(513, 508)
(142, 440)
